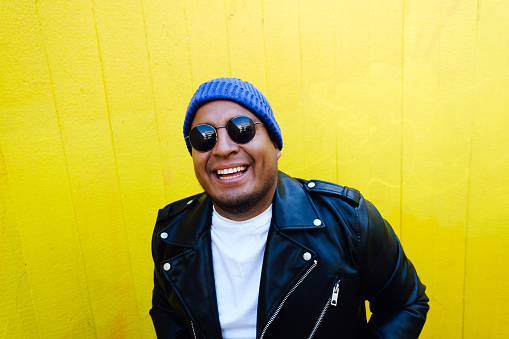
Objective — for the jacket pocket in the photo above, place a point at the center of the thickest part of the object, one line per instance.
(332, 301)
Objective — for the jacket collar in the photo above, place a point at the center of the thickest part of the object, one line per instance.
(190, 222)
(292, 209)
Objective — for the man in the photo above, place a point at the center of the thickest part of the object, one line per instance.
(262, 255)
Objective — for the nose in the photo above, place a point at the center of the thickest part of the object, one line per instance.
(224, 145)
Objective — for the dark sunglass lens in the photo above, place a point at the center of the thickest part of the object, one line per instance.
(241, 129)
(203, 138)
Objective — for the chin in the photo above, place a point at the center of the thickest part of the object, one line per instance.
(238, 204)
(235, 207)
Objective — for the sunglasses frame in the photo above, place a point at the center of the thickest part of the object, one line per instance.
(225, 126)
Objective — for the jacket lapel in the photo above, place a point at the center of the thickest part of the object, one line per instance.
(191, 273)
(286, 261)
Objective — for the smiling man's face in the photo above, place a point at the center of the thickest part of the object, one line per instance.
(249, 190)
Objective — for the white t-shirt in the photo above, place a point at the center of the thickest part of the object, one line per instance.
(237, 254)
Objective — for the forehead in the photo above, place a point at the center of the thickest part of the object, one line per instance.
(218, 112)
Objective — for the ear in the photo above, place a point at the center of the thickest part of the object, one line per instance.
(278, 151)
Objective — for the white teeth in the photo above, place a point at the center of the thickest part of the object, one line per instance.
(231, 170)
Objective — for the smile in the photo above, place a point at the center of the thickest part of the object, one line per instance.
(231, 173)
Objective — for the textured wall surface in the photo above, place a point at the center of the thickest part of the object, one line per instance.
(406, 100)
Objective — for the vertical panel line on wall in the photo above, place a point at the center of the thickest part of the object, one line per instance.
(301, 89)
(153, 92)
(227, 37)
(334, 51)
(264, 47)
(401, 122)
(467, 220)
(122, 208)
(2, 196)
(67, 170)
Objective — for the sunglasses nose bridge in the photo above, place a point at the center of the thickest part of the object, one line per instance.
(224, 143)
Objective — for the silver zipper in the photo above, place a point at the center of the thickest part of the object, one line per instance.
(192, 327)
(333, 300)
(286, 297)
(335, 293)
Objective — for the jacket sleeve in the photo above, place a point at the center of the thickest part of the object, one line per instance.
(390, 283)
(166, 323)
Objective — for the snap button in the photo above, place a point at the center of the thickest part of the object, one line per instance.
(307, 256)
(164, 235)
(311, 184)
(190, 201)
(317, 222)
(166, 267)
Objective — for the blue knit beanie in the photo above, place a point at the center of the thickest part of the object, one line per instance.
(239, 91)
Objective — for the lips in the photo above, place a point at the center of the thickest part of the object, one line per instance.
(230, 173)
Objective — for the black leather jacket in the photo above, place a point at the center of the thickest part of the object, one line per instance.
(328, 250)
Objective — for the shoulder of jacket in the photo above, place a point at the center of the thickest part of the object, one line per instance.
(177, 207)
(351, 195)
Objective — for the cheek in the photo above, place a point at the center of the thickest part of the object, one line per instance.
(269, 159)
(199, 164)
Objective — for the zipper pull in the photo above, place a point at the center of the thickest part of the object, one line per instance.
(335, 294)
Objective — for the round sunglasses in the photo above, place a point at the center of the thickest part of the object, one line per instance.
(241, 130)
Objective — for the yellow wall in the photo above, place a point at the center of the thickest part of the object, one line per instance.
(406, 100)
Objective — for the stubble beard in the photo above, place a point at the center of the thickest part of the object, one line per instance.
(244, 203)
